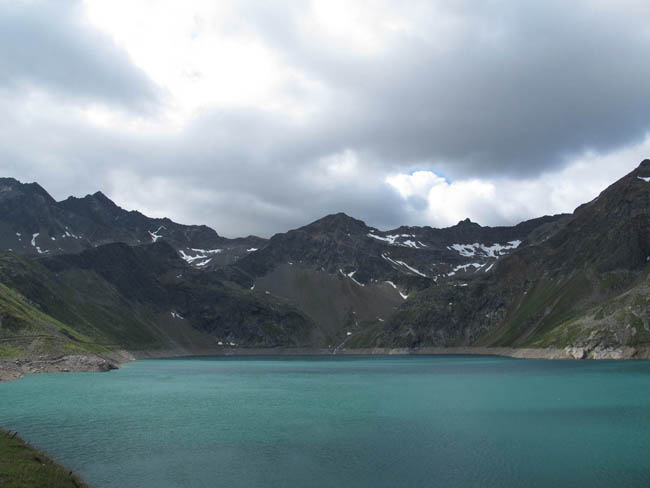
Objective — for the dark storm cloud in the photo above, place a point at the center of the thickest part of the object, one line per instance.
(226, 170)
(508, 89)
(517, 88)
(46, 45)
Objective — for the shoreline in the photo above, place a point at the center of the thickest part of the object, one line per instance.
(13, 369)
(22, 464)
(569, 353)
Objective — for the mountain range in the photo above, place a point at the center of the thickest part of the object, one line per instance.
(83, 275)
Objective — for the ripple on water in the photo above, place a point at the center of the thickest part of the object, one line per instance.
(345, 421)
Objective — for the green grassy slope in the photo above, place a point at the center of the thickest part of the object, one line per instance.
(80, 307)
(623, 320)
(22, 466)
(147, 298)
(27, 331)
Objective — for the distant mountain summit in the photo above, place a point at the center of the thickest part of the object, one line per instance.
(347, 276)
(33, 223)
(86, 273)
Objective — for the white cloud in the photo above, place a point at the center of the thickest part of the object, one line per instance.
(446, 203)
(417, 183)
(508, 201)
(202, 55)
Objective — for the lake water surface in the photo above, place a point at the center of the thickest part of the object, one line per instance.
(340, 421)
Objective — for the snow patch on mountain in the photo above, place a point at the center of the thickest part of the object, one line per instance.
(493, 251)
(154, 235)
(38, 249)
(410, 268)
(207, 251)
(202, 254)
(393, 240)
(410, 243)
(398, 290)
(387, 258)
(388, 239)
(351, 276)
(191, 259)
(464, 267)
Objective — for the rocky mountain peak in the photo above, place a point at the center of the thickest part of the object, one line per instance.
(467, 223)
(11, 188)
(8, 188)
(643, 170)
(97, 200)
(100, 197)
(337, 222)
(32, 222)
(7, 184)
(97, 207)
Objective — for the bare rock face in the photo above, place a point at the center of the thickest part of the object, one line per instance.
(613, 353)
(16, 368)
(575, 352)
(84, 363)
(66, 364)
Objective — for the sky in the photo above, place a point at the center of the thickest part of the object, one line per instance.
(256, 117)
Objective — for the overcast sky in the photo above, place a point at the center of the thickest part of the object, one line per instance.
(257, 117)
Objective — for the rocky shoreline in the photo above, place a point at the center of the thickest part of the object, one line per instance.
(12, 369)
(521, 353)
(595, 353)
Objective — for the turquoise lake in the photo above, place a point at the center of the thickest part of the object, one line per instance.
(342, 421)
